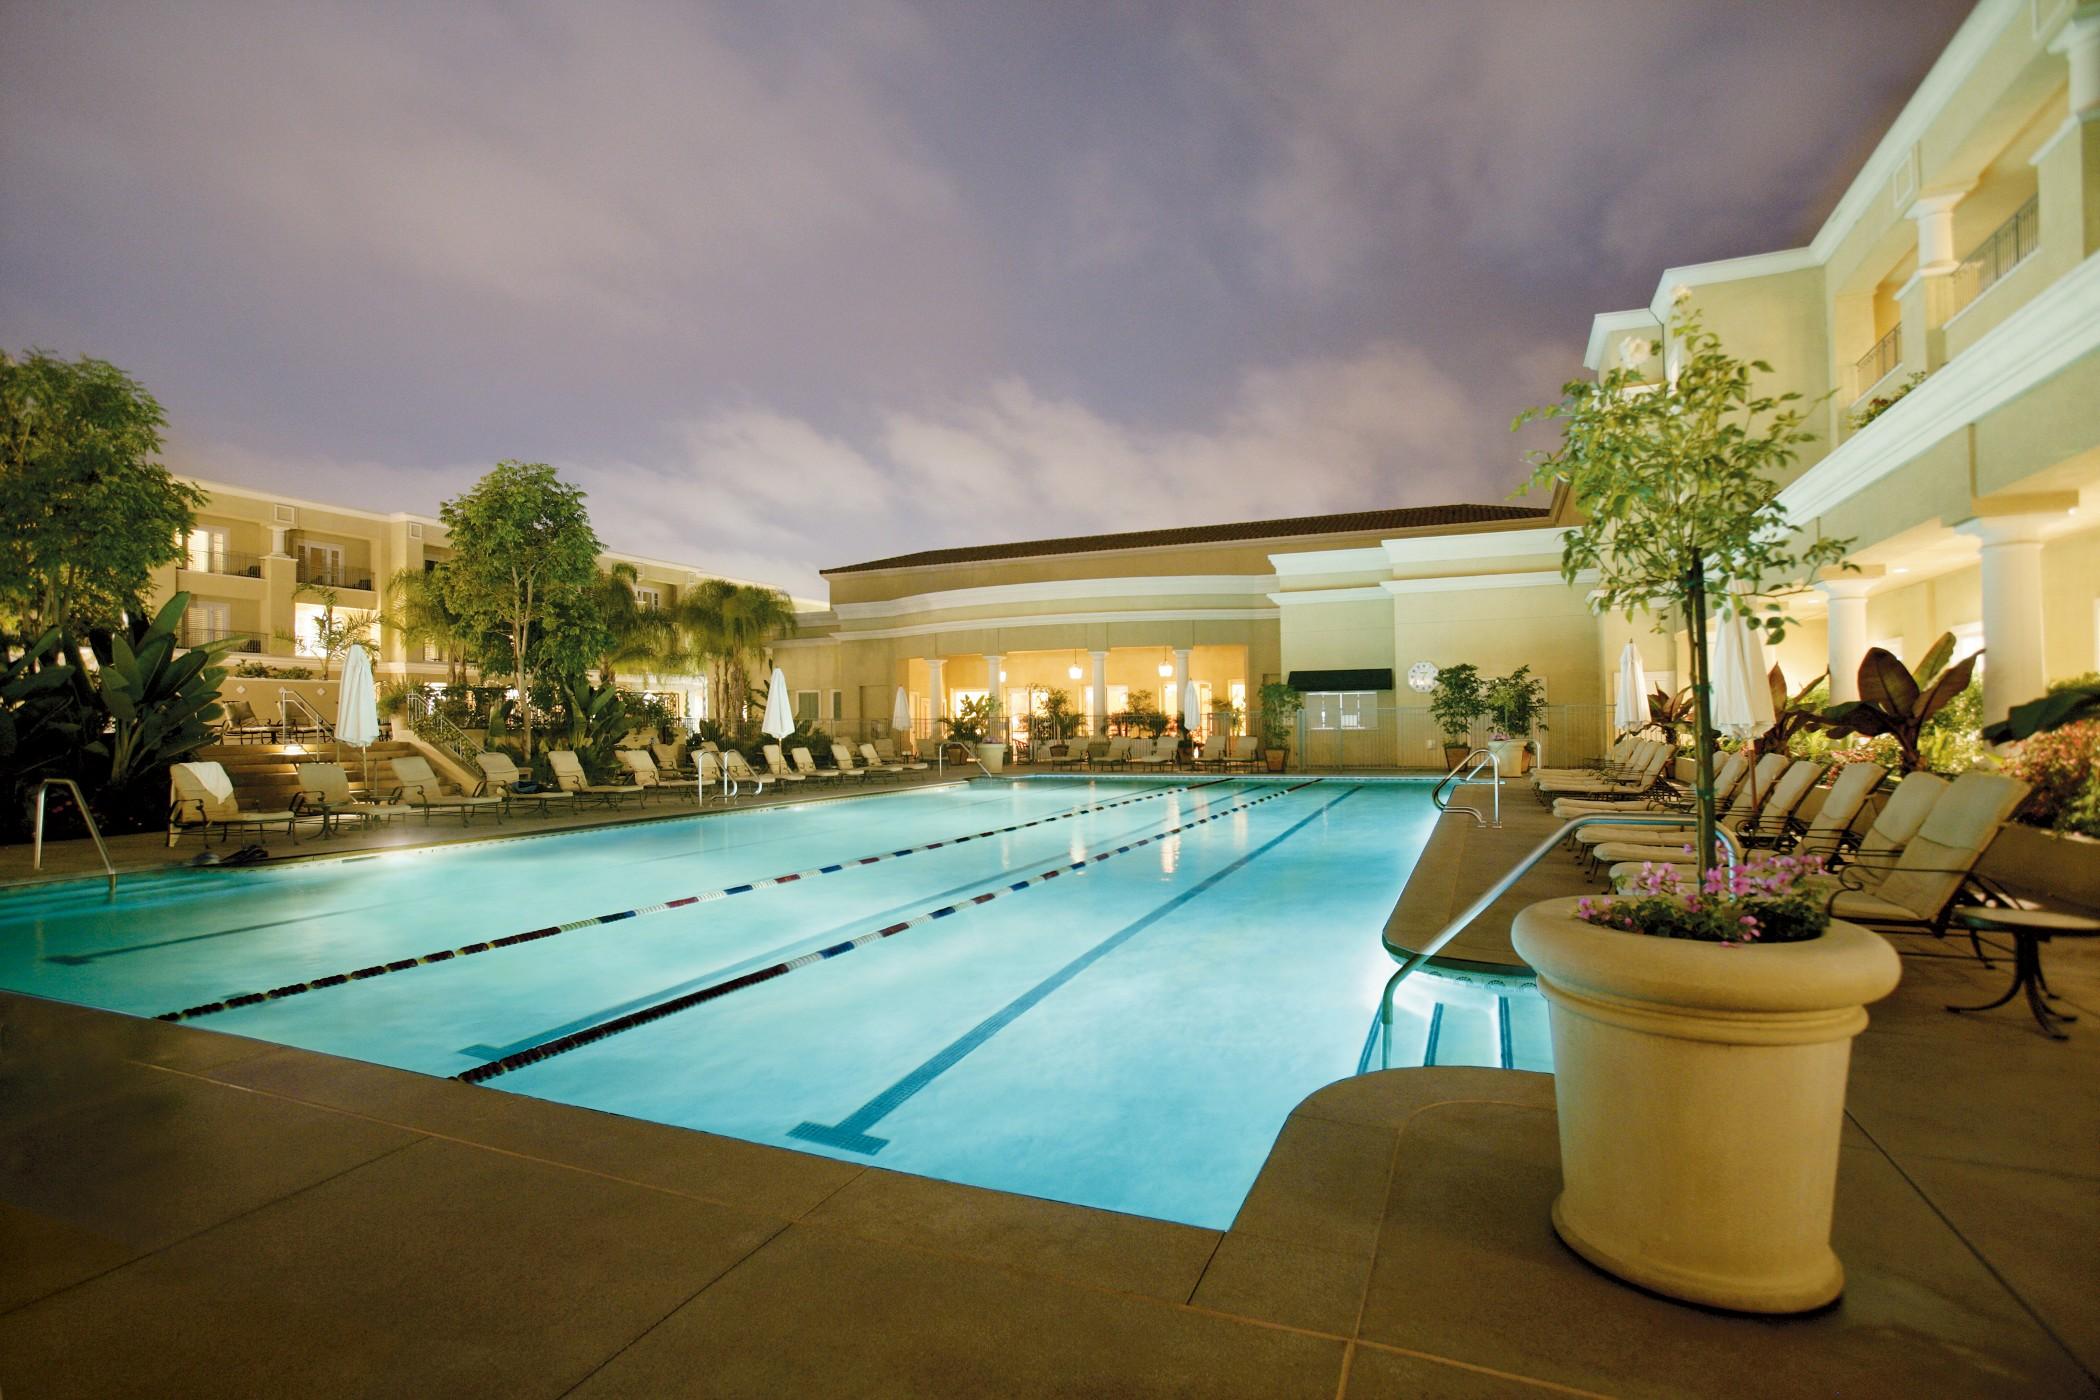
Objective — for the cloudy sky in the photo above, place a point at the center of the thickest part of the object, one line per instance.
(787, 285)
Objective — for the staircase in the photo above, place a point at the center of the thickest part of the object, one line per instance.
(266, 775)
(1443, 1021)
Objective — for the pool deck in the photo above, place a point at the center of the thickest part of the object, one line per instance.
(184, 1212)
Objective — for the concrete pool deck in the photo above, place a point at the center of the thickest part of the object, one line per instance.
(184, 1212)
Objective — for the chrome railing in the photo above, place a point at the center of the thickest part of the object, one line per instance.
(290, 700)
(36, 857)
(434, 729)
(1460, 773)
(1413, 958)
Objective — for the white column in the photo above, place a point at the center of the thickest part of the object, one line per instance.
(2079, 42)
(937, 692)
(1934, 215)
(280, 541)
(1097, 719)
(2012, 610)
(993, 688)
(1848, 634)
(1181, 684)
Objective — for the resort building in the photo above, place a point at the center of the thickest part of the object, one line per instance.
(262, 567)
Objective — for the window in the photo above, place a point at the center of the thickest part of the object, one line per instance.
(432, 652)
(207, 622)
(838, 705)
(307, 620)
(322, 564)
(206, 550)
(1341, 709)
(648, 598)
(805, 707)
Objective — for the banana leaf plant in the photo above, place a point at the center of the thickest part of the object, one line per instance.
(37, 713)
(1791, 713)
(1671, 713)
(155, 707)
(1896, 702)
(2053, 711)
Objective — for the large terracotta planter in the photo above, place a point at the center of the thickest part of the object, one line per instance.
(1701, 1092)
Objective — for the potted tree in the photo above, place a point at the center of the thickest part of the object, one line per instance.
(1059, 720)
(1513, 703)
(1280, 704)
(976, 720)
(1455, 704)
(1701, 1074)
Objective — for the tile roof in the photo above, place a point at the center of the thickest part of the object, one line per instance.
(1359, 522)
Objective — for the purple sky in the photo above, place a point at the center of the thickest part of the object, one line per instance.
(791, 285)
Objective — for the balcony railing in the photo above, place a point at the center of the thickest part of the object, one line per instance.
(250, 642)
(336, 576)
(220, 561)
(1878, 363)
(2009, 245)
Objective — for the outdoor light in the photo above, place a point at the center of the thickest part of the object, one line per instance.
(1072, 673)
(1165, 669)
(1002, 675)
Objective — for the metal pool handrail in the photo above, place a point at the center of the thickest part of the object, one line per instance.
(1410, 959)
(36, 858)
(1455, 776)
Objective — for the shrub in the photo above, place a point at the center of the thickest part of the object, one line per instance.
(2063, 765)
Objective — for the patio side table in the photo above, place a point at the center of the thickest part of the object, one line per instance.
(2030, 928)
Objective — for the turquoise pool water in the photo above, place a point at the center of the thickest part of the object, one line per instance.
(924, 995)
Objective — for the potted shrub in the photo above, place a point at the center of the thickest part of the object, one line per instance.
(1702, 1034)
(1701, 1085)
(1513, 703)
(1280, 704)
(1060, 719)
(976, 720)
(1455, 704)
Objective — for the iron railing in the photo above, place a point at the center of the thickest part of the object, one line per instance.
(2009, 245)
(336, 576)
(439, 732)
(1878, 363)
(221, 561)
(250, 643)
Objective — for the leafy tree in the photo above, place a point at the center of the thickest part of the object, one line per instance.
(418, 610)
(1458, 699)
(522, 545)
(1678, 484)
(89, 513)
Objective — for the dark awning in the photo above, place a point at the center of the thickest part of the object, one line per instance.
(1365, 678)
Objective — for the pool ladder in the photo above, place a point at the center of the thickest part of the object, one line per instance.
(1413, 958)
(36, 859)
(1461, 773)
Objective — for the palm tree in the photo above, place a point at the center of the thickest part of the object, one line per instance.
(639, 638)
(416, 608)
(723, 627)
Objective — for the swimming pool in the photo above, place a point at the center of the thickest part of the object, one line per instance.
(1104, 992)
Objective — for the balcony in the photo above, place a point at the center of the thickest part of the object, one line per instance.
(2008, 245)
(222, 562)
(1878, 363)
(249, 642)
(335, 575)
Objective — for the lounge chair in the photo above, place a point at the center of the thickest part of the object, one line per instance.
(1672, 793)
(501, 774)
(1612, 762)
(1160, 755)
(324, 788)
(568, 772)
(872, 756)
(842, 758)
(1643, 776)
(1736, 800)
(673, 760)
(806, 765)
(1074, 752)
(241, 725)
(419, 788)
(1828, 835)
(641, 768)
(1763, 807)
(201, 795)
(740, 772)
(781, 770)
(1917, 891)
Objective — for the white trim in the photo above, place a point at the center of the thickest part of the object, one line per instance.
(1728, 270)
(2054, 330)
(1330, 561)
(1369, 593)
(1605, 323)
(1055, 590)
(1459, 583)
(986, 624)
(1509, 543)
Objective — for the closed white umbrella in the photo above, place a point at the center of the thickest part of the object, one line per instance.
(1191, 708)
(357, 707)
(1742, 695)
(900, 713)
(780, 715)
(1631, 710)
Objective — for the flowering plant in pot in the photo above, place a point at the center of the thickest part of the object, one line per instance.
(1702, 1032)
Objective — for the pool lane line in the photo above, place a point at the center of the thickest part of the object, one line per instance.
(851, 1132)
(292, 989)
(576, 1040)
